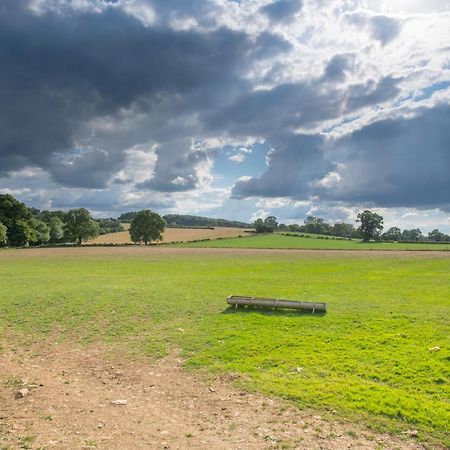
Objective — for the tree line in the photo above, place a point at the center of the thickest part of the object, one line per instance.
(370, 228)
(21, 226)
(186, 220)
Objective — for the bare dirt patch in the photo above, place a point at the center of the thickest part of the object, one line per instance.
(157, 250)
(82, 398)
(175, 235)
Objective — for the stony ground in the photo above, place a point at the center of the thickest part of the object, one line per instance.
(64, 397)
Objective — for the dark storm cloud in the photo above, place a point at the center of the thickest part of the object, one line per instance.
(92, 169)
(282, 10)
(397, 162)
(60, 71)
(79, 87)
(297, 160)
(105, 200)
(176, 168)
(289, 106)
(372, 93)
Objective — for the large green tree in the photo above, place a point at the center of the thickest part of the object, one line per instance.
(15, 216)
(20, 233)
(12, 210)
(371, 224)
(79, 226)
(147, 226)
(40, 231)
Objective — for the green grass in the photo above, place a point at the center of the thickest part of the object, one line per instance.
(367, 358)
(311, 242)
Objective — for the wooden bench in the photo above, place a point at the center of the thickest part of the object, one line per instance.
(238, 300)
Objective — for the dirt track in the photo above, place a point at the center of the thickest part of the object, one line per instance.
(71, 390)
(158, 250)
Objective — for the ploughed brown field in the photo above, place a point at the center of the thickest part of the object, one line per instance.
(175, 235)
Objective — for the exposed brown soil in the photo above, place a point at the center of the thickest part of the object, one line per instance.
(68, 396)
(156, 250)
(175, 235)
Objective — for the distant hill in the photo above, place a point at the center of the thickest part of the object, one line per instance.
(182, 220)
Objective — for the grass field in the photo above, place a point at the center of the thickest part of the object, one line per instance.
(173, 235)
(367, 359)
(312, 242)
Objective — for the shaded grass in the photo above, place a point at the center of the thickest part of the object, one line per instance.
(277, 240)
(367, 357)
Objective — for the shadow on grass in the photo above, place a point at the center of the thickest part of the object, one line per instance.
(271, 311)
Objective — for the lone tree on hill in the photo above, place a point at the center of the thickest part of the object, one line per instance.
(79, 226)
(147, 226)
(371, 224)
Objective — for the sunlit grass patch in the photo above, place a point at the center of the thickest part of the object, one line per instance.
(369, 357)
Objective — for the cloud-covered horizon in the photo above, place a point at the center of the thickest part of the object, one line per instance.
(226, 108)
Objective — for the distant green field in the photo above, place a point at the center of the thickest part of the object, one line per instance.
(367, 359)
(312, 242)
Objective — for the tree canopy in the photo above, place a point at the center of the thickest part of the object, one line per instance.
(40, 231)
(15, 215)
(393, 234)
(80, 226)
(342, 229)
(147, 226)
(412, 235)
(23, 228)
(109, 225)
(438, 236)
(371, 224)
(56, 229)
(316, 225)
(268, 225)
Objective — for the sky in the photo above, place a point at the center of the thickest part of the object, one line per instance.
(227, 108)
